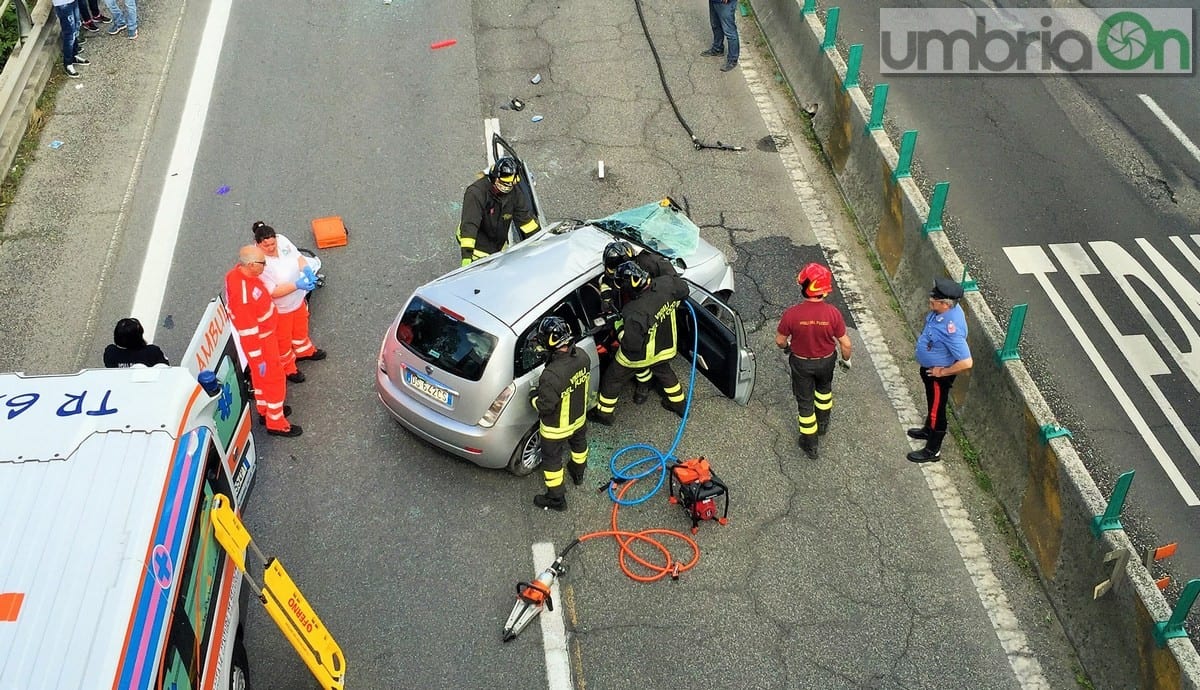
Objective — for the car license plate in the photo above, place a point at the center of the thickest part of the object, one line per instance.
(429, 388)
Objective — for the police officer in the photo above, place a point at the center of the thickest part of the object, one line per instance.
(647, 337)
(809, 331)
(942, 353)
(488, 207)
(614, 299)
(561, 403)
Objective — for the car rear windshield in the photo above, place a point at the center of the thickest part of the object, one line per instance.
(442, 338)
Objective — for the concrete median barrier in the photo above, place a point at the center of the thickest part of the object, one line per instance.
(1043, 485)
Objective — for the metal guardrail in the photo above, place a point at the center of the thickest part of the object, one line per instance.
(34, 24)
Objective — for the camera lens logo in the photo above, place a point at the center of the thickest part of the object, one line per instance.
(1126, 40)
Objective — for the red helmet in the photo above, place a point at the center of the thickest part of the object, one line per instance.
(815, 280)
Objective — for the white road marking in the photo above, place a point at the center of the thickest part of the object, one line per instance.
(160, 249)
(1033, 260)
(1170, 125)
(554, 630)
(1021, 658)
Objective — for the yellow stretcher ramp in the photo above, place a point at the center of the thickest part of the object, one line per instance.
(283, 601)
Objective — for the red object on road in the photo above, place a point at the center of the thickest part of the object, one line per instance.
(443, 44)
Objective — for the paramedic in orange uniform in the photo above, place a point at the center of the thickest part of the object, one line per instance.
(253, 314)
(289, 283)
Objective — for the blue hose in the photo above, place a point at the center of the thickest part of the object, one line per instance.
(655, 460)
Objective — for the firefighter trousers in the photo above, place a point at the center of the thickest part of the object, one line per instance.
(812, 386)
(617, 376)
(552, 458)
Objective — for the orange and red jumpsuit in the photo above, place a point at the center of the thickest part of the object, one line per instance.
(254, 317)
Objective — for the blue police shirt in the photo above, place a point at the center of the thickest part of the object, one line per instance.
(944, 340)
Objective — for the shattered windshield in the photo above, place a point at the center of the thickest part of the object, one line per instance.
(663, 228)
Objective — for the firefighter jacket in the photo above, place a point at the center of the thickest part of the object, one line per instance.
(486, 215)
(562, 393)
(650, 333)
(651, 262)
(252, 311)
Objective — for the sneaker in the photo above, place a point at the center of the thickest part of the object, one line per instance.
(316, 356)
(713, 52)
(115, 29)
(81, 60)
(290, 433)
(728, 66)
(102, 19)
(71, 71)
(296, 377)
(133, 34)
(91, 26)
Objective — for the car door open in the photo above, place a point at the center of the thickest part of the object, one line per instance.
(724, 355)
(500, 149)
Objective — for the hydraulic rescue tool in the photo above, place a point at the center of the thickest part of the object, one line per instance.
(696, 487)
(534, 596)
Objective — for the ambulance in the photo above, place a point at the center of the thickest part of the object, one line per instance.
(111, 575)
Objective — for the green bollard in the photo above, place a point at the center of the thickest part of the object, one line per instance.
(744, 6)
(1052, 431)
(853, 64)
(903, 166)
(1173, 626)
(809, 7)
(831, 22)
(1111, 519)
(937, 206)
(1016, 324)
(878, 103)
(968, 284)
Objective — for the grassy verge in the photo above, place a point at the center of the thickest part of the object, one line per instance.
(27, 149)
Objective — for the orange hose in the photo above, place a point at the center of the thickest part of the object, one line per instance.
(624, 539)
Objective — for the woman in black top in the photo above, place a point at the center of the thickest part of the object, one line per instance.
(129, 347)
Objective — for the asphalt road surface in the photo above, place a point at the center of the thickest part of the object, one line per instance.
(839, 573)
(1077, 196)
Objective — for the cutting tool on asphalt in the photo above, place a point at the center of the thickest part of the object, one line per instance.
(534, 597)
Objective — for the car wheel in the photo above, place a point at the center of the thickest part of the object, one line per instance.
(239, 674)
(527, 455)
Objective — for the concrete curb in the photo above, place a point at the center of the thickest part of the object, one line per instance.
(24, 78)
(1045, 488)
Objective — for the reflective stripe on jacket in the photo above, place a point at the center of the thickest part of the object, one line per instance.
(562, 394)
(650, 332)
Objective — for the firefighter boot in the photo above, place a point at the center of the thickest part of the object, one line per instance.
(808, 444)
(823, 422)
(641, 392)
(605, 418)
(678, 408)
(554, 499)
(577, 470)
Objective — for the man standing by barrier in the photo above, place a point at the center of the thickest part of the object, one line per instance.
(942, 353)
(722, 16)
(809, 331)
(253, 315)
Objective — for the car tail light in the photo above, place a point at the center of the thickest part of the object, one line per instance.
(498, 405)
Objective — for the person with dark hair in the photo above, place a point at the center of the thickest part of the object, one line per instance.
(289, 280)
(129, 347)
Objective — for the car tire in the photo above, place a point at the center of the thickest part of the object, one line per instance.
(239, 673)
(527, 455)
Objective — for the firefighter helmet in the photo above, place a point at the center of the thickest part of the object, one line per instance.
(504, 174)
(615, 254)
(630, 276)
(554, 332)
(815, 280)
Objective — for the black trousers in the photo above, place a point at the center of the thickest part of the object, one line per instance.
(937, 394)
(616, 376)
(552, 456)
(812, 385)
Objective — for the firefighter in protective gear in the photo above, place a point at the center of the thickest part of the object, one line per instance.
(561, 402)
(648, 338)
(254, 317)
(811, 332)
(489, 206)
(614, 298)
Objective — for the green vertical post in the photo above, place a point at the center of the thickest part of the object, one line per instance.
(968, 284)
(908, 142)
(853, 65)
(878, 103)
(1111, 519)
(1173, 626)
(831, 22)
(937, 206)
(809, 7)
(744, 6)
(1016, 324)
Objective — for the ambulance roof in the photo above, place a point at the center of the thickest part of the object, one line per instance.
(86, 463)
